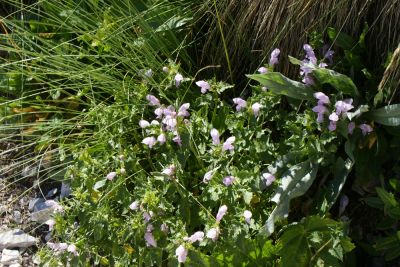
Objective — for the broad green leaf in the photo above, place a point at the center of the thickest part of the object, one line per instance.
(295, 61)
(281, 85)
(388, 115)
(294, 183)
(341, 39)
(340, 82)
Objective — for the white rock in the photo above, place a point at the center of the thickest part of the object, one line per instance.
(16, 238)
(15, 265)
(9, 256)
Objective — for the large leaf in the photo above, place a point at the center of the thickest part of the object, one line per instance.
(294, 183)
(281, 85)
(340, 82)
(388, 115)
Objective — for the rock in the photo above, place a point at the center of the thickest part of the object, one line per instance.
(65, 190)
(34, 202)
(17, 217)
(9, 256)
(16, 239)
(52, 192)
(44, 211)
(15, 265)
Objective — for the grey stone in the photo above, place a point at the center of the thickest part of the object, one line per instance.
(16, 239)
(52, 192)
(17, 217)
(65, 190)
(44, 211)
(34, 202)
(9, 256)
(15, 265)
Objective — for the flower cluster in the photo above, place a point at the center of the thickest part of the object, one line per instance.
(310, 62)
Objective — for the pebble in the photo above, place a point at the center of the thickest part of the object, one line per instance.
(17, 217)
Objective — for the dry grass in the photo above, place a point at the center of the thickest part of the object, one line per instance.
(253, 28)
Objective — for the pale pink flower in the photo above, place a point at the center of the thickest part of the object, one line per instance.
(351, 127)
(332, 126)
(198, 236)
(50, 223)
(228, 144)
(169, 171)
(149, 73)
(154, 123)
(153, 101)
(164, 228)
(134, 205)
(149, 141)
(178, 79)
(228, 180)
(322, 98)
(144, 124)
(215, 136)
(240, 103)
(342, 107)
(256, 108)
(207, 177)
(274, 57)
(165, 69)
(150, 241)
(170, 121)
(72, 248)
(221, 212)
(204, 86)
(213, 234)
(111, 176)
(181, 252)
(365, 128)
(147, 216)
(262, 70)
(177, 139)
(247, 216)
(333, 117)
(169, 111)
(161, 139)
(159, 112)
(269, 178)
(183, 110)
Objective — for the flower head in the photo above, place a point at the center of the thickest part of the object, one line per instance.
(181, 253)
(256, 108)
(198, 236)
(149, 141)
(50, 223)
(72, 248)
(221, 212)
(333, 117)
(170, 122)
(183, 110)
(213, 234)
(204, 86)
(269, 178)
(170, 170)
(161, 139)
(322, 98)
(111, 175)
(247, 215)
(365, 128)
(149, 73)
(178, 79)
(134, 205)
(332, 126)
(153, 101)
(215, 136)
(150, 241)
(274, 57)
(310, 55)
(159, 112)
(342, 107)
(177, 139)
(228, 144)
(240, 103)
(165, 69)
(144, 124)
(262, 70)
(228, 180)
(351, 127)
(207, 177)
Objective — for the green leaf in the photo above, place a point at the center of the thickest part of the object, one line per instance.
(341, 39)
(294, 183)
(281, 85)
(340, 82)
(295, 61)
(361, 109)
(388, 115)
(99, 184)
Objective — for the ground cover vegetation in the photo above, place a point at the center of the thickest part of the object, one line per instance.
(174, 161)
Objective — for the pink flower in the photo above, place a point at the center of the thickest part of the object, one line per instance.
(365, 128)
(204, 86)
(240, 103)
(351, 127)
(320, 110)
(170, 121)
(169, 171)
(154, 123)
(111, 176)
(221, 212)
(181, 252)
(333, 117)
(153, 101)
(207, 177)
(164, 228)
(256, 108)
(310, 55)
(262, 70)
(322, 98)
(149, 141)
(144, 124)
(228, 180)
(343, 106)
(161, 139)
(198, 236)
(274, 57)
(177, 139)
(183, 110)
(147, 216)
(169, 111)
(134, 205)
(72, 248)
(150, 241)
(213, 234)
(50, 223)
(228, 145)
(247, 216)
(332, 126)
(178, 79)
(149, 73)
(269, 178)
(159, 112)
(215, 136)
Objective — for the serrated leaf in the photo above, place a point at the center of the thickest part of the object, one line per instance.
(294, 183)
(340, 82)
(99, 184)
(281, 85)
(388, 115)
